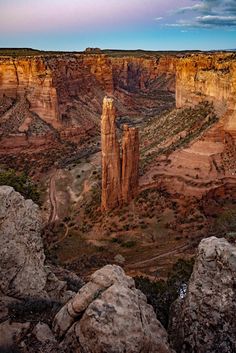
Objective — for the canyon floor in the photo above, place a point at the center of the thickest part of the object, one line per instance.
(159, 227)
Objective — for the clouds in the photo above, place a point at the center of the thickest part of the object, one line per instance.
(82, 15)
(209, 21)
(206, 14)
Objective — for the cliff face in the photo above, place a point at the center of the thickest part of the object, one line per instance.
(206, 161)
(31, 80)
(120, 175)
(212, 78)
(133, 74)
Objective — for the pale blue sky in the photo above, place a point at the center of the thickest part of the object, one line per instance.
(127, 24)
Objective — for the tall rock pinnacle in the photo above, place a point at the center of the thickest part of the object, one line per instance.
(111, 165)
(130, 163)
(119, 175)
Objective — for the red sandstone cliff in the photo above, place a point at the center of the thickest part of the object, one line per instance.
(209, 77)
(208, 160)
(30, 79)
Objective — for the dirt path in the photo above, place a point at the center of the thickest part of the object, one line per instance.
(53, 200)
(165, 254)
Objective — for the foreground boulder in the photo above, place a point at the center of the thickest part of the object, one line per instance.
(109, 315)
(204, 322)
(21, 247)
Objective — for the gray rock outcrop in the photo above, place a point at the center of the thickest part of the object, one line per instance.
(21, 247)
(22, 259)
(109, 315)
(204, 322)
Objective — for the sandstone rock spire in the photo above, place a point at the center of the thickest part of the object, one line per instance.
(130, 163)
(119, 175)
(111, 164)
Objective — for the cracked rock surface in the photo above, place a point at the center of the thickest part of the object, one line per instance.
(204, 322)
(21, 247)
(109, 315)
(24, 273)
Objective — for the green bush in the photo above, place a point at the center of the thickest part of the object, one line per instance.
(21, 183)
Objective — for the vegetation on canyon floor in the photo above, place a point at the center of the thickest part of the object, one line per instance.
(173, 130)
(21, 183)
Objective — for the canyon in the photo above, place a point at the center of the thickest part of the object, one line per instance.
(184, 107)
(51, 104)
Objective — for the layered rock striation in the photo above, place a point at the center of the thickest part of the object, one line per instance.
(120, 173)
(30, 79)
(212, 78)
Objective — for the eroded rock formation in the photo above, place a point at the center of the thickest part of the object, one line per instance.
(22, 260)
(204, 322)
(21, 249)
(120, 174)
(110, 315)
(111, 168)
(130, 163)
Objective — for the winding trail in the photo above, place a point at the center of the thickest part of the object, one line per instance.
(53, 200)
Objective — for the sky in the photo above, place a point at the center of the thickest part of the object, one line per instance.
(118, 24)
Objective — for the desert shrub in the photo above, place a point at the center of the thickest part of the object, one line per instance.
(21, 183)
(129, 244)
(161, 294)
(33, 310)
(226, 222)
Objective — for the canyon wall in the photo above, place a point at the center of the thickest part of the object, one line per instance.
(61, 95)
(209, 77)
(120, 174)
(30, 79)
(206, 161)
(135, 73)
